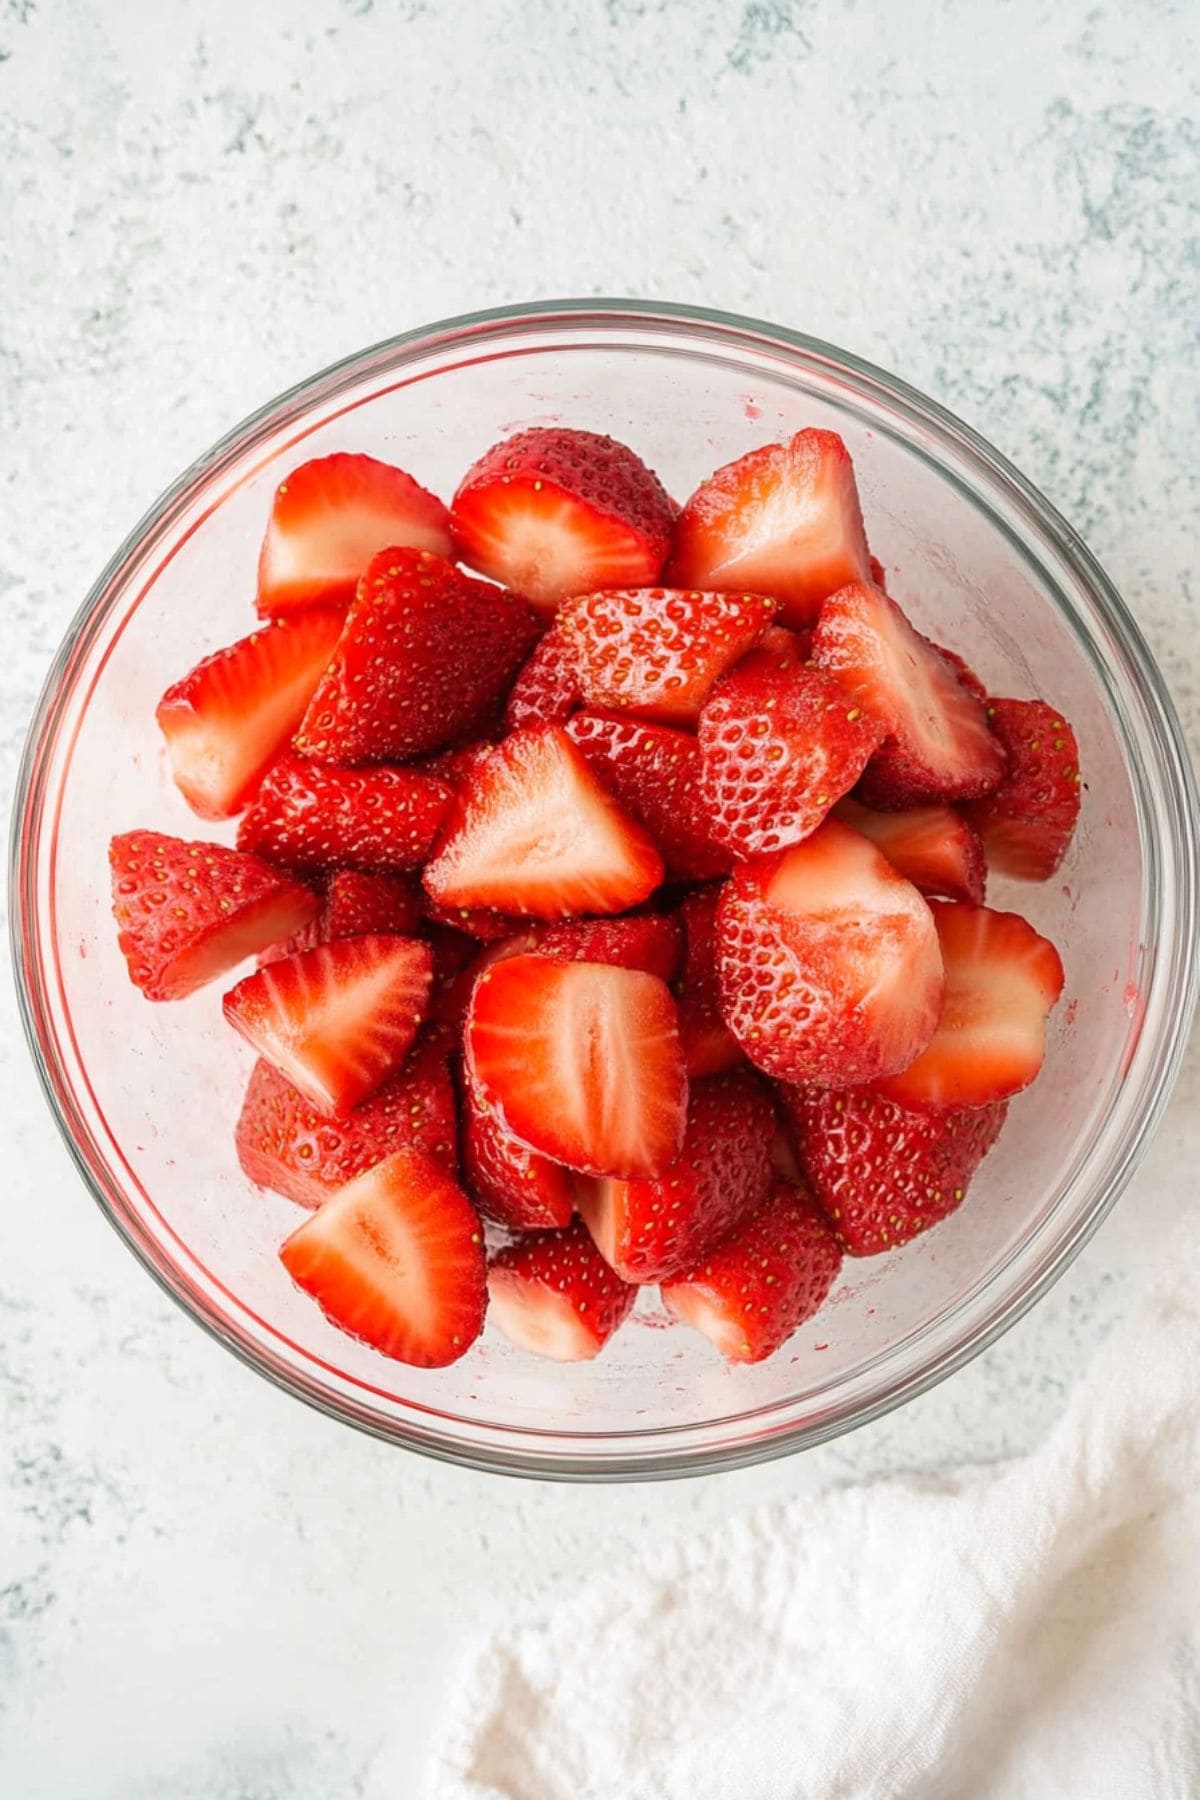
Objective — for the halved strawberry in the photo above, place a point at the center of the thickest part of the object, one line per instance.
(649, 941)
(931, 846)
(358, 905)
(653, 771)
(709, 1047)
(759, 1284)
(581, 1061)
(328, 519)
(1028, 822)
(829, 963)
(396, 1259)
(314, 818)
(553, 512)
(187, 913)
(228, 719)
(424, 657)
(651, 1229)
(510, 1183)
(285, 1144)
(938, 745)
(533, 832)
(556, 1296)
(784, 520)
(1002, 982)
(546, 692)
(656, 652)
(881, 1173)
(339, 1019)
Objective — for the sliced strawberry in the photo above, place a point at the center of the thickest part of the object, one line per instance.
(396, 1259)
(932, 846)
(510, 1183)
(482, 923)
(656, 652)
(1002, 982)
(328, 519)
(759, 1284)
(313, 818)
(938, 745)
(653, 771)
(187, 913)
(777, 749)
(339, 1019)
(1028, 823)
(652, 942)
(556, 1296)
(581, 1061)
(458, 765)
(533, 832)
(285, 1144)
(227, 721)
(965, 673)
(359, 905)
(653, 1229)
(424, 657)
(883, 1174)
(829, 963)
(784, 520)
(546, 692)
(785, 649)
(709, 1047)
(553, 512)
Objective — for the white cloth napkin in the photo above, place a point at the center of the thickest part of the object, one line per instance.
(1023, 1632)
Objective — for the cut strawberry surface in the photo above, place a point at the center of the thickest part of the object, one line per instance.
(829, 963)
(555, 1295)
(931, 846)
(784, 520)
(938, 746)
(396, 1259)
(759, 1284)
(653, 771)
(581, 1061)
(546, 692)
(656, 652)
(228, 719)
(883, 1174)
(709, 1047)
(314, 818)
(337, 1020)
(359, 905)
(533, 832)
(552, 512)
(651, 1229)
(510, 1183)
(1028, 822)
(1002, 982)
(652, 942)
(329, 518)
(965, 673)
(187, 913)
(425, 655)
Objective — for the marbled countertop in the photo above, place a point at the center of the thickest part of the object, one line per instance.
(208, 1592)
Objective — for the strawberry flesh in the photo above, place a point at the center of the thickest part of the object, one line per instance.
(314, 819)
(652, 942)
(1027, 824)
(653, 772)
(546, 692)
(709, 1047)
(932, 846)
(555, 1295)
(511, 1184)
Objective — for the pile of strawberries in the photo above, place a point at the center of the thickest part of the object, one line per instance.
(626, 894)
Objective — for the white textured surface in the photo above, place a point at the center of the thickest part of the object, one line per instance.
(206, 1592)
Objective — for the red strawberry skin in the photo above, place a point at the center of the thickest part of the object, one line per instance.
(932, 846)
(359, 905)
(511, 1184)
(652, 942)
(425, 654)
(709, 1046)
(556, 1296)
(653, 771)
(546, 692)
(755, 1288)
(881, 1173)
(187, 913)
(1027, 824)
(313, 818)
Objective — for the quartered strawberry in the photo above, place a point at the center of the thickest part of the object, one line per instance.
(285, 1144)
(424, 657)
(782, 648)
(938, 746)
(553, 512)
(656, 652)
(581, 1061)
(314, 818)
(652, 942)
(533, 832)
(337, 1020)
(829, 963)
(510, 1183)
(653, 771)
(1002, 982)
(784, 520)
(458, 765)
(482, 923)
(546, 692)
(880, 1173)
(962, 668)
(709, 1047)
(357, 905)
(187, 913)
(328, 519)
(556, 1296)
(931, 846)
(396, 1259)
(777, 749)
(759, 1284)
(652, 1229)
(228, 719)
(1028, 822)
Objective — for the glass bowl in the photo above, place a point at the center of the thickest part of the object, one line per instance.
(147, 1095)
